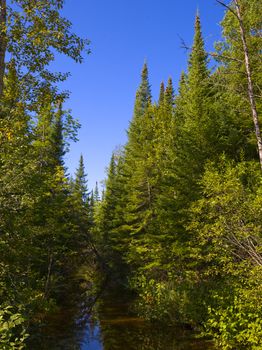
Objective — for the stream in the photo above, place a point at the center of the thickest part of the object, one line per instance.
(110, 326)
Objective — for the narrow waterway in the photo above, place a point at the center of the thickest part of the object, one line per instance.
(110, 326)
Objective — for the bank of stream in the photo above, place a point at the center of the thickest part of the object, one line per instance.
(109, 325)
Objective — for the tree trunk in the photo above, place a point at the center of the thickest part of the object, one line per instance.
(49, 272)
(250, 82)
(3, 43)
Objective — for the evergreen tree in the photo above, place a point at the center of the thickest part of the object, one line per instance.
(57, 138)
(80, 186)
(180, 100)
(143, 95)
(96, 194)
(193, 120)
(169, 95)
(161, 94)
(92, 206)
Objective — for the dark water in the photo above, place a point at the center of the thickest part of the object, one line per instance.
(110, 326)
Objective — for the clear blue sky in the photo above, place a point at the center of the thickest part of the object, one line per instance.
(123, 34)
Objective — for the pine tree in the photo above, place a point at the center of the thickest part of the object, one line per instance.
(57, 138)
(96, 193)
(80, 183)
(197, 71)
(161, 94)
(81, 214)
(143, 95)
(169, 95)
(129, 191)
(193, 119)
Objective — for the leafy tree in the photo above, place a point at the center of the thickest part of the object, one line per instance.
(226, 240)
(36, 223)
(31, 32)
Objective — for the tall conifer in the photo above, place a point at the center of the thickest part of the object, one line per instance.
(161, 94)
(57, 138)
(80, 186)
(96, 193)
(143, 94)
(193, 118)
(169, 95)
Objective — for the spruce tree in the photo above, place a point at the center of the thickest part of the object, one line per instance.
(80, 185)
(193, 119)
(198, 72)
(132, 190)
(139, 135)
(143, 94)
(161, 94)
(169, 95)
(56, 137)
(96, 193)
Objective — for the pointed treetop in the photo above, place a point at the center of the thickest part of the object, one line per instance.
(198, 57)
(81, 168)
(143, 95)
(96, 193)
(144, 73)
(112, 166)
(161, 94)
(182, 82)
(197, 22)
(169, 94)
(81, 181)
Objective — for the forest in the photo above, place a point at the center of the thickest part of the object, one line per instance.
(179, 223)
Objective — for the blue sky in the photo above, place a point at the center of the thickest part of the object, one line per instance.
(123, 34)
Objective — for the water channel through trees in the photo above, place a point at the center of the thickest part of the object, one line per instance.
(109, 325)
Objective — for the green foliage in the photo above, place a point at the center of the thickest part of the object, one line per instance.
(181, 214)
(227, 225)
(12, 330)
(35, 32)
(143, 95)
(228, 218)
(43, 236)
(180, 218)
(235, 322)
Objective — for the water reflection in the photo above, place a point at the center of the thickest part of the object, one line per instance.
(110, 327)
(117, 329)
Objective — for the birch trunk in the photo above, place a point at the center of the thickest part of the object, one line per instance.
(250, 82)
(3, 43)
